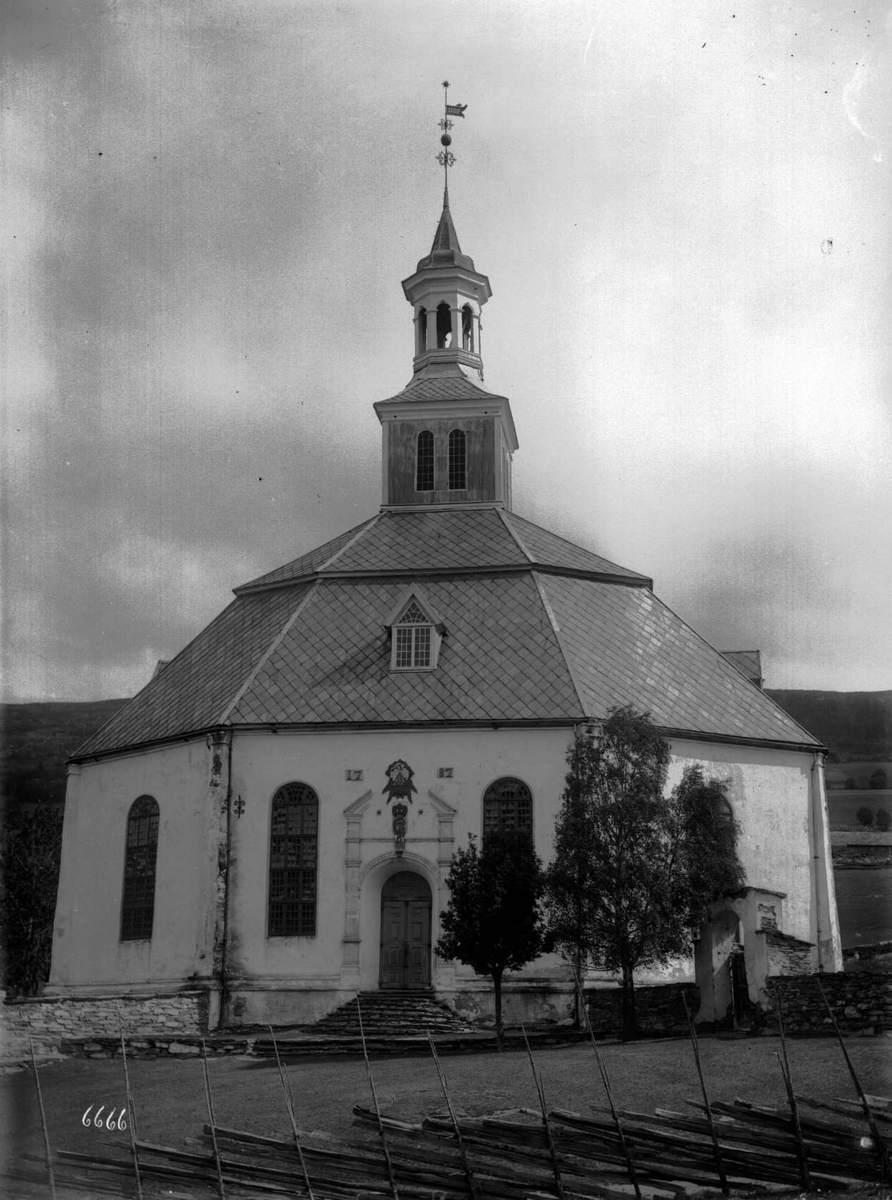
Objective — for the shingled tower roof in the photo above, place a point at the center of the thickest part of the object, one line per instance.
(445, 251)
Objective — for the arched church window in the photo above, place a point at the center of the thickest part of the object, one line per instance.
(457, 464)
(424, 462)
(444, 326)
(294, 837)
(140, 853)
(421, 331)
(508, 808)
(467, 329)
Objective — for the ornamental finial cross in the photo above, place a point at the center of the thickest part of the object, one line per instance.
(446, 158)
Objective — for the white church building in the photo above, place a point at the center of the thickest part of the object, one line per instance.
(271, 819)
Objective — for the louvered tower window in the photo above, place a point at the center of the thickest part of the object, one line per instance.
(141, 851)
(508, 808)
(457, 468)
(444, 326)
(294, 836)
(421, 332)
(467, 328)
(424, 462)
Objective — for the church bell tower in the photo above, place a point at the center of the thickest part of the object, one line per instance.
(446, 440)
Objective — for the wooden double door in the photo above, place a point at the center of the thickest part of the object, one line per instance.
(405, 932)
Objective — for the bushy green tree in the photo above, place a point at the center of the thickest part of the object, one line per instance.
(635, 870)
(878, 779)
(883, 820)
(493, 922)
(30, 851)
(865, 815)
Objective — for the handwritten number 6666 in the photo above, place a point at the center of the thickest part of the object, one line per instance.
(108, 1123)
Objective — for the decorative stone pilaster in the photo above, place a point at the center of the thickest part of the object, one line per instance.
(445, 836)
(353, 861)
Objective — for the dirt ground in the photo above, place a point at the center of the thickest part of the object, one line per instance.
(170, 1101)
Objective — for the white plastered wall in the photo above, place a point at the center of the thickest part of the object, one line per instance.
(88, 954)
(772, 792)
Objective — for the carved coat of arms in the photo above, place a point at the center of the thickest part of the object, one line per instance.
(399, 784)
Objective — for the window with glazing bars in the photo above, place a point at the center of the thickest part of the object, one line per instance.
(508, 808)
(294, 836)
(424, 462)
(457, 470)
(413, 639)
(138, 896)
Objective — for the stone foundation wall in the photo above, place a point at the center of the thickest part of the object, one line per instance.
(53, 1021)
(660, 1010)
(860, 1003)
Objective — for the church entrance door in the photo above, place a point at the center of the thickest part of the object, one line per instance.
(405, 932)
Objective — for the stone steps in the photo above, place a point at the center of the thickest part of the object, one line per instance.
(391, 1014)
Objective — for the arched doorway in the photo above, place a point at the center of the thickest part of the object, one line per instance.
(405, 932)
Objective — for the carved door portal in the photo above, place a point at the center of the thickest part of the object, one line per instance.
(405, 932)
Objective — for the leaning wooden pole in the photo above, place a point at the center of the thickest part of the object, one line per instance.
(605, 1079)
(720, 1166)
(210, 1106)
(878, 1140)
(463, 1154)
(368, 1067)
(131, 1112)
(46, 1132)
(801, 1153)
(549, 1138)
(289, 1104)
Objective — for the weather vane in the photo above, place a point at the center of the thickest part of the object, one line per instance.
(446, 158)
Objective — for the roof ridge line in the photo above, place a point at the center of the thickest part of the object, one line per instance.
(373, 520)
(759, 691)
(515, 536)
(576, 546)
(552, 617)
(264, 658)
(132, 699)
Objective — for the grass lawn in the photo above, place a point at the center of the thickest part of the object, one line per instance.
(169, 1095)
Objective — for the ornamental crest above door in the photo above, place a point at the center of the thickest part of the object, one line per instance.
(399, 784)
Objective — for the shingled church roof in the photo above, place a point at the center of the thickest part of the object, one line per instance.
(538, 631)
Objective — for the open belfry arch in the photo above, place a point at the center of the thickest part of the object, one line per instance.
(272, 818)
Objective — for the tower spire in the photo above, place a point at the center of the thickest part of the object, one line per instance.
(446, 291)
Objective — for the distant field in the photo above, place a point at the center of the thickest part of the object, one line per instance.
(843, 806)
(860, 770)
(864, 902)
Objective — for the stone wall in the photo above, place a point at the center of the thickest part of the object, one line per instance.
(860, 1003)
(660, 1009)
(52, 1021)
(787, 955)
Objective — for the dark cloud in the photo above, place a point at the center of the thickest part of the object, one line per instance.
(213, 206)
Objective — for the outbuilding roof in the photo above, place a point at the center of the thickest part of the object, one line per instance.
(537, 630)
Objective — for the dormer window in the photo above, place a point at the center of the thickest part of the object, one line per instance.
(416, 634)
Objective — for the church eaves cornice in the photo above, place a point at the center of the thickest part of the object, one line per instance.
(570, 722)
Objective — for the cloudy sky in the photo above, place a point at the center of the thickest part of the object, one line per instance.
(684, 211)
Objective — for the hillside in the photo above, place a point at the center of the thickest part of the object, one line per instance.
(37, 738)
(36, 741)
(852, 725)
